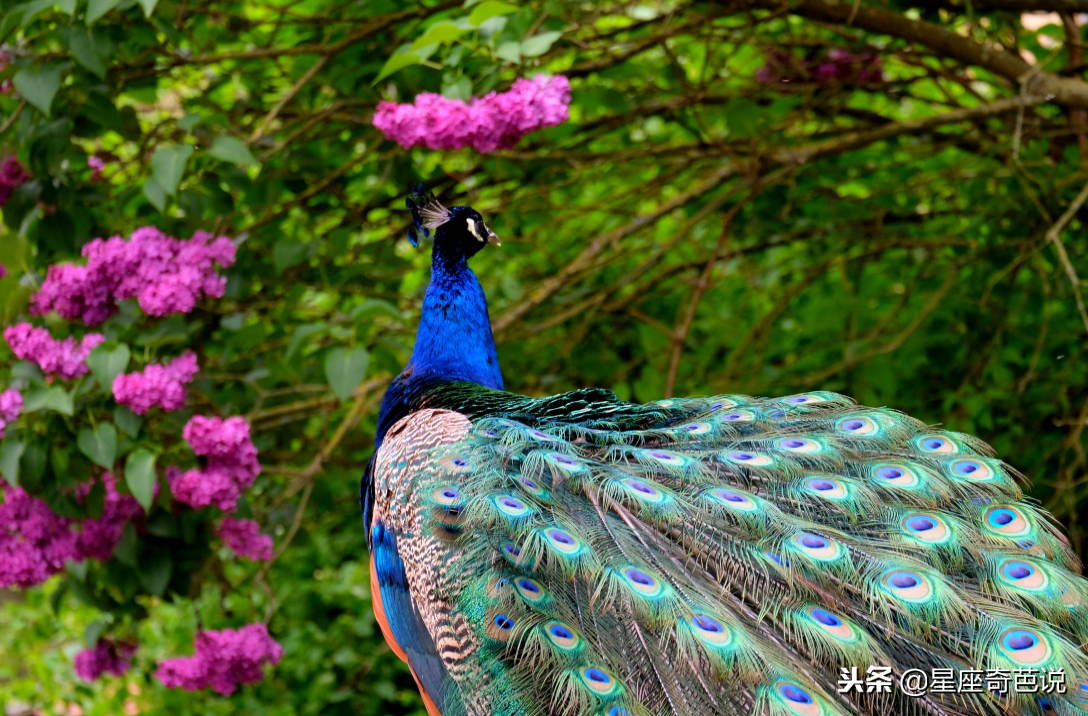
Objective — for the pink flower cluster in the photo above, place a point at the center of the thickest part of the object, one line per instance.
(3, 271)
(245, 539)
(231, 463)
(107, 657)
(11, 404)
(496, 121)
(34, 542)
(96, 164)
(99, 538)
(12, 175)
(835, 65)
(65, 359)
(165, 275)
(223, 660)
(161, 385)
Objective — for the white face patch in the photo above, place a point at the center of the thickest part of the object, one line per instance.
(472, 230)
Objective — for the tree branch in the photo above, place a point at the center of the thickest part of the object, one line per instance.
(1063, 90)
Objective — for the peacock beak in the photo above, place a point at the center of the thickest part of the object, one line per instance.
(492, 239)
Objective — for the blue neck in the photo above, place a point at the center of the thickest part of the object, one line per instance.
(454, 339)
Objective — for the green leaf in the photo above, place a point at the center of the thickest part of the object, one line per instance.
(461, 89)
(148, 6)
(32, 9)
(32, 465)
(155, 194)
(100, 444)
(128, 547)
(189, 121)
(345, 370)
(509, 51)
(56, 598)
(127, 420)
(95, 501)
(52, 398)
(229, 149)
(539, 44)
(10, 452)
(140, 476)
(155, 571)
(398, 62)
(440, 33)
(107, 364)
(168, 166)
(39, 85)
(302, 333)
(98, 8)
(490, 9)
(93, 631)
(90, 49)
(77, 570)
(287, 253)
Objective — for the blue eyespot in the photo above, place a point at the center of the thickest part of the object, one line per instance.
(826, 618)
(561, 632)
(707, 623)
(794, 694)
(504, 622)
(594, 674)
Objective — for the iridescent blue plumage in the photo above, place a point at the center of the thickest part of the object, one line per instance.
(578, 554)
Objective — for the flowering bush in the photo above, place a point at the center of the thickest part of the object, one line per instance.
(107, 657)
(496, 121)
(165, 275)
(231, 464)
(223, 660)
(61, 508)
(65, 359)
(245, 539)
(156, 385)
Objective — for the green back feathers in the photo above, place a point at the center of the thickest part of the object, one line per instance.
(730, 555)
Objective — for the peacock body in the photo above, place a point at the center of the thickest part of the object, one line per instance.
(800, 556)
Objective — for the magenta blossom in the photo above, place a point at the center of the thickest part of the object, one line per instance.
(99, 538)
(157, 385)
(97, 164)
(11, 404)
(231, 463)
(165, 275)
(107, 657)
(65, 359)
(223, 660)
(12, 175)
(245, 539)
(496, 121)
(34, 542)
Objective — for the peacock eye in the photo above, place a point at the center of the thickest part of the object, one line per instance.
(472, 230)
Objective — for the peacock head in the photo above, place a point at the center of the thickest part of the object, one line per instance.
(458, 231)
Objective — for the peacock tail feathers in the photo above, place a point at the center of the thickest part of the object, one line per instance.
(726, 555)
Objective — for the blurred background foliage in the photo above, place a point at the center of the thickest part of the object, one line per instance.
(882, 198)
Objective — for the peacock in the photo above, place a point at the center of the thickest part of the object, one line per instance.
(792, 556)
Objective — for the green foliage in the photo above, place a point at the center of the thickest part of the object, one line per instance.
(691, 230)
